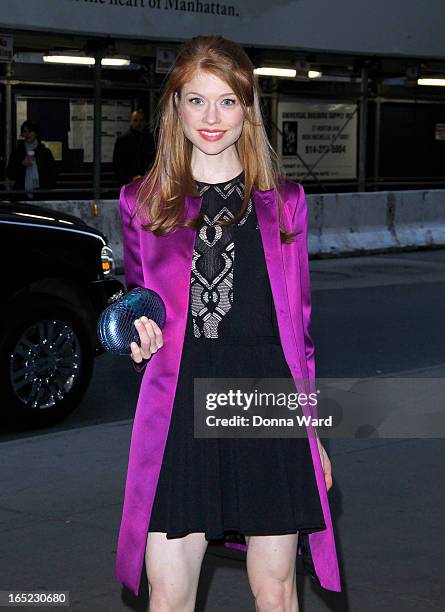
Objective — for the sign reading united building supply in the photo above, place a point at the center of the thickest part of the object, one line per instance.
(321, 136)
(6, 48)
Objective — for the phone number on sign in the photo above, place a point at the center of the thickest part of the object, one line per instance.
(322, 148)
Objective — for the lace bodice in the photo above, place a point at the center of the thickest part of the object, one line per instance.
(211, 296)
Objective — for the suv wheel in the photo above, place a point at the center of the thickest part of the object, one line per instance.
(46, 363)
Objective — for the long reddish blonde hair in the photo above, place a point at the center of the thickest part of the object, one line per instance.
(161, 194)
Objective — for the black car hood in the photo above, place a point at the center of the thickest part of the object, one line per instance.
(32, 213)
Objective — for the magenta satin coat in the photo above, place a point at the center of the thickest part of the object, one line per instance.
(164, 264)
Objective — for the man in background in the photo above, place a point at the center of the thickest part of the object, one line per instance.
(134, 151)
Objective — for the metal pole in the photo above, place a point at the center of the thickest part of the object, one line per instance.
(97, 135)
(363, 129)
(274, 112)
(8, 114)
(377, 126)
(151, 97)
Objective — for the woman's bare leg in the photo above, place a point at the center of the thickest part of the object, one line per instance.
(173, 568)
(272, 573)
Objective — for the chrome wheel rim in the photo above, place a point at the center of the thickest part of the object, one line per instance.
(45, 363)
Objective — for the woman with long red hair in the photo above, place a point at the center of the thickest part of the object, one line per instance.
(218, 232)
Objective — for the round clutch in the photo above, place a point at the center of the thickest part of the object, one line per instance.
(115, 326)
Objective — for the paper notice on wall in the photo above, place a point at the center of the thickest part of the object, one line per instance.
(81, 123)
(115, 120)
(439, 132)
(318, 140)
(55, 146)
(107, 147)
(21, 114)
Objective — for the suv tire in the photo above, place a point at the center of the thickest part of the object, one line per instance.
(46, 362)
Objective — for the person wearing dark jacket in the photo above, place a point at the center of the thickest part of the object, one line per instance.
(31, 165)
(134, 151)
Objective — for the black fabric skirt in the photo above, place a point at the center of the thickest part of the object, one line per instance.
(232, 487)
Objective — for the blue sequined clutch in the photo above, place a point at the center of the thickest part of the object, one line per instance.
(115, 326)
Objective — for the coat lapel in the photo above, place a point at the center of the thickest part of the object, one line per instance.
(268, 222)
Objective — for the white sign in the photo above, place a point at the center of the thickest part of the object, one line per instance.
(6, 48)
(320, 136)
(440, 131)
(353, 26)
(165, 58)
(22, 114)
(81, 122)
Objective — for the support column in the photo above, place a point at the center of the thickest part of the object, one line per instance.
(97, 135)
(274, 112)
(378, 121)
(363, 129)
(8, 113)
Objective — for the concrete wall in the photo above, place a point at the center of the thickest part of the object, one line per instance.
(370, 222)
(346, 223)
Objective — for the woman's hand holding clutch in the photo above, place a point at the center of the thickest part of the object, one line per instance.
(150, 336)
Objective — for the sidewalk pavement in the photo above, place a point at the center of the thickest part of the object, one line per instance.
(62, 497)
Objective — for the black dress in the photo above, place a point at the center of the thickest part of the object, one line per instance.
(231, 487)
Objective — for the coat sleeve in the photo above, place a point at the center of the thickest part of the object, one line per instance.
(132, 259)
(300, 224)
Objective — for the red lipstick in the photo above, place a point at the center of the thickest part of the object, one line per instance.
(212, 135)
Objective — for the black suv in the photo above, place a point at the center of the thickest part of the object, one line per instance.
(57, 278)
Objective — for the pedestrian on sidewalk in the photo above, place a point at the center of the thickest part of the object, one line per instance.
(217, 231)
(31, 164)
